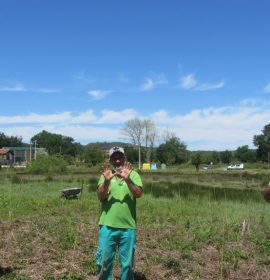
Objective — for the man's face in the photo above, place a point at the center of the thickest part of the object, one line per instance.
(117, 160)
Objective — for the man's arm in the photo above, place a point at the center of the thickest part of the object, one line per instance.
(103, 190)
(136, 190)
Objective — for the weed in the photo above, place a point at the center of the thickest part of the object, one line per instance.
(92, 184)
(15, 179)
(90, 266)
(173, 265)
(48, 178)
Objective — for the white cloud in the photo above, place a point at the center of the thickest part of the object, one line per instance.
(207, 86)
(36, 118)
(213, 128)
(88, 134)
(116, 116)
(14, 87)
(148, 85)
(188, 81)
(151, 83)
(82, 134)
(87, 117)
(98, 94)
(84, 117)
(84, 127)
(267, 88)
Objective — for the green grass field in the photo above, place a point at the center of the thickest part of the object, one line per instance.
(190, 226)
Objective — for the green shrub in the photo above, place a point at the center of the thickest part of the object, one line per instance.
(47, 165)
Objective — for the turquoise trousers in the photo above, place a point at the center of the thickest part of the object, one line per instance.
(110, 240)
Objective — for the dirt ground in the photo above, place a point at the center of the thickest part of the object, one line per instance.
(28, 250)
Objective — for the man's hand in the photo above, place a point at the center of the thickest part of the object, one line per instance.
(106, 171)
(103, 189)
(126, 170)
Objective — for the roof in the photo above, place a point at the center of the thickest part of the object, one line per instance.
(24, 148)
(17, 148)
(5, 151)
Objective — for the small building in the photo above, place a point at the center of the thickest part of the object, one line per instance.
(6, 157)
(21, 155)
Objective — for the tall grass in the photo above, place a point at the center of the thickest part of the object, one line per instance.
(44, 236)
(188, 190)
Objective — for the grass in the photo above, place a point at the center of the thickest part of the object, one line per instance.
(185, 229)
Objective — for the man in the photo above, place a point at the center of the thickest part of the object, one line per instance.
(117, 190)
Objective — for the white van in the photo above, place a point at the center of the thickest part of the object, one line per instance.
(237, 166)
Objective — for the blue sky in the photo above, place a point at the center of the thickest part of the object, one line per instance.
(199, 69)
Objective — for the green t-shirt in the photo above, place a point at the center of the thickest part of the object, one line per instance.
(119, 209)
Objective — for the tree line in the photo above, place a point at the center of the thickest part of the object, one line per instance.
(142, 137)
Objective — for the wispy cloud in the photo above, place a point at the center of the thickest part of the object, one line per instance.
(21, 88)
(266, 89)
(48, 90)
(98, 94)
(64, 117)
(208, 86)
(151, 83)
(14, 87)
(87, 117)
(82, 77)
(190, 82)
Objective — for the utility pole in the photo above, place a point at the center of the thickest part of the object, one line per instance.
(35, 149)
(266, 139)
(139, 156)
(268, 159)
(30, 154)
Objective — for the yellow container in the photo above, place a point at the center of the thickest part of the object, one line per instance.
(146, 166)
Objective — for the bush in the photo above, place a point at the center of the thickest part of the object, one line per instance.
(47, 165)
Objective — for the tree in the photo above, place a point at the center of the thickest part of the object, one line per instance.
(131, 154)
(139, 131)
(262, 141)
(215, 157)
(56, 143)
(196, 160)
(244, 154)
(150, 134)
(134, 130)
(167, 135)
(9, 141)
(173, 151)
(93, 154)
(226, 156)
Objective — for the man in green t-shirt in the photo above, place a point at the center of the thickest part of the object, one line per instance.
(117, 190)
